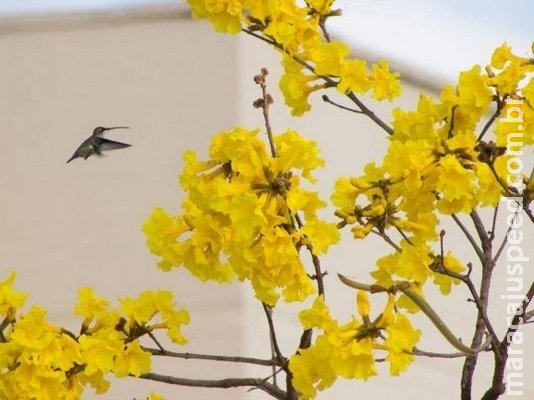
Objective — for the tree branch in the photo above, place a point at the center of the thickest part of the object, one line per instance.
(364, 109)
(210, 357)
(262, 384)
(431, 354)
(274, 341)
(469, 237)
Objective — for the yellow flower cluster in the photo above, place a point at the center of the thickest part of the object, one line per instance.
(440, 162)
(350, 350)
(39, 360)
(310, 61)
(241, 216)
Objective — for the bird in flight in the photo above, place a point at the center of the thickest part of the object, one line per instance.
(96, 144)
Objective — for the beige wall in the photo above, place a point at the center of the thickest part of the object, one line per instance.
(175, 83)
(66, 226)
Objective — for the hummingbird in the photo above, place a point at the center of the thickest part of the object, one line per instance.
(96, 144)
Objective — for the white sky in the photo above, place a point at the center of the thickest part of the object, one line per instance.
(440, 37)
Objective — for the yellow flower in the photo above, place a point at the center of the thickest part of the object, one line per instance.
(318, 316)
(9, 299)
(33, 381)
(323, 7)
(349, 350)
(321, 235)
(295, 151)
(354, 77)
(155, 396)
(32, 331)
(225, 15)
(473, 88)
(344, 195)
(456, 184)
(362, 304)
(503, 55)
(95, 380)
(312, 370)
(133, 360)
(419, 125)
(296, 86)
(386, 84)
(89, 305)
(329, 58)
(445, 282)
(401, 340)
(410, 264)
(100, 351)
(240, 219)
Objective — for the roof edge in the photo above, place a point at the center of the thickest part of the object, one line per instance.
(60, 21)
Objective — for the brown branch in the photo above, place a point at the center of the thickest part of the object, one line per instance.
(528, 211)
(504, 242)
(326, 99)
(469, 237)
(494, 223)
(264, 103)
(468, 370)
(519, 319)
(210, 357)
(481, 307)
(365, 110)
(259, 383)
(497, 386)
(388, 240)
(431, 354)
(508, 190)
(500, 105)
(274, 341)
(322, 26)
(481, 229)
(451, 126)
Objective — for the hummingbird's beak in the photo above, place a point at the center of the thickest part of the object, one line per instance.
(117, 127)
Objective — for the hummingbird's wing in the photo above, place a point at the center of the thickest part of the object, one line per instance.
(106, 144)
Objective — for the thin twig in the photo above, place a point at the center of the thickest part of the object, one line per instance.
(500, 105)
(507, 189)
(326, 99)
(210, 357)
(528, 211)
(497, 387)
(387, 239)
(322, 25)
(274, 341)
(422, 353)
(451, 126)
(425, 307)
(264, 103)
(469, 237)
(519, 318)
(480, 228)
(365, 110)
(156, 341)
(504, 242)
(466, 279)
(259, 383)
(494, 223)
